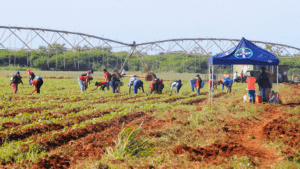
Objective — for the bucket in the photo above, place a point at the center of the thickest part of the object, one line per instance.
(271, 95)
(258, 99)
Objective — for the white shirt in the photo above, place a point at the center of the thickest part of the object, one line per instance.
(123, 71)
(235, 76)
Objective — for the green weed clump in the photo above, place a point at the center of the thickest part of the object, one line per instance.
(128, 145)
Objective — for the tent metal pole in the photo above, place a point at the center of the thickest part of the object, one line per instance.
(208, 83)
(212, 85)
(277, 85)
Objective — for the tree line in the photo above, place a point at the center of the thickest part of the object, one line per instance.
(58, 58)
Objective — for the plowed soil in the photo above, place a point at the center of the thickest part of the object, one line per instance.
(281, 129)
(173, 99)
(211, 152)
(54, 161)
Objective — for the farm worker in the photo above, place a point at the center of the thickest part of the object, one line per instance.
(88, 73)
(198, 84)
(123, 72)
(100, 84)
(242, 76)
(280, 77)
(115, 84)
(83, 81)
(37, 82)
(215, 84)
(138, 84)
(107, 77)
(177, 84)
(15, 80)
(228, 83)
(156, 86)
(130, 83)
(264, 83)
(192, 83)
(31, 76)
(235, 77)
(251, 87)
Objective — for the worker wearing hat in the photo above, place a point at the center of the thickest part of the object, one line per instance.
(228, 83)
(137, 84)
(177, 83)
(15, 80)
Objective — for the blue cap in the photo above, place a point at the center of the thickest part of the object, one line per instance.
(18, 72)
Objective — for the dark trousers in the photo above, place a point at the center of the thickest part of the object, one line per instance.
(198, 91)
(39, 85)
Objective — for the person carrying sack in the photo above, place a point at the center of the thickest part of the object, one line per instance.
(177, 84)
(15, 80)
(251, 87)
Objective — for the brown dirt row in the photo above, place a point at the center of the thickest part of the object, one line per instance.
(7, 125)
(211, 153)
(28, 110)
(51, 142)
(283, 130)
(198, 100)
(40, 129)
(93, 145)
(173, 99)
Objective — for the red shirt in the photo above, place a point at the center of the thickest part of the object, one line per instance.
(101, 83)
(34, 82)
(84, 78)
(197, 83)
(30, 72)
(242, 75)
(106, 76)
(251, 83)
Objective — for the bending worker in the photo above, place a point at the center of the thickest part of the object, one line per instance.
(157, 86)
(15, 80)
(228, 83)
(37, 82)
(31, 76)
(100, 84)
(83, 82)
(137, 84)
(177, 84)
(115, 84)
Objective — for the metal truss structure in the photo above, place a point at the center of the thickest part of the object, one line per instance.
(29, 38)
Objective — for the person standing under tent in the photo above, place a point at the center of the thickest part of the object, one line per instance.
(264, 83)
(198, 84)
(123, 72)
(193, 84)
(280, 77)
(37, 82)
(83, 81)
(235, 77)
(31, 76)
(15, 80)
(177, 84)
(107, 77)
(251, 87)
(242, 76)
(228, 83)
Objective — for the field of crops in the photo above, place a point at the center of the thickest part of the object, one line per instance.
(64, 128)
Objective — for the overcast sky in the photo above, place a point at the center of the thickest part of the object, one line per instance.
(149, 20)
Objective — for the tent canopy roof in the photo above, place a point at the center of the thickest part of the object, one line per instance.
(244, 53)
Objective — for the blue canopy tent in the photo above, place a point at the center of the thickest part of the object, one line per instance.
(244, 53)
